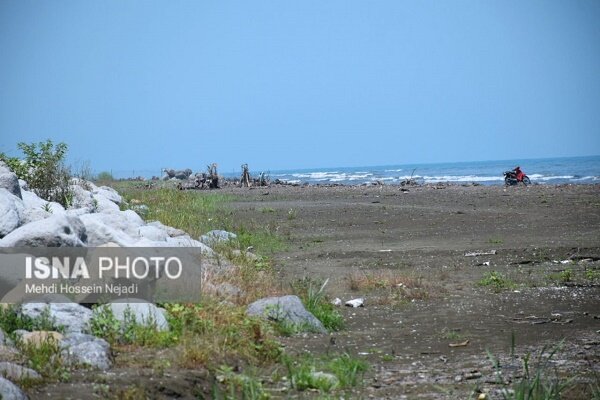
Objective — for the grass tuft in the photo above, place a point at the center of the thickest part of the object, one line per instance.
(312, 293)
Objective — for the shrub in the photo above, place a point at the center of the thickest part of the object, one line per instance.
(105, 176)
(44, 170)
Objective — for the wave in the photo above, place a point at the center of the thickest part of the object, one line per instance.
(333, 176)
(461, 178)
(551, 177)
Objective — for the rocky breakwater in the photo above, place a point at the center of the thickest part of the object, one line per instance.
(94, 218)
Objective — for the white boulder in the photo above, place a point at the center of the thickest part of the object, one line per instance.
(55, 231)
(11, 210)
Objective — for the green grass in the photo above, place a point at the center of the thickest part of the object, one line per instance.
(129, 331)
(312, 293)
(592, 274)
(539, 379)
(197, 212)
(451, 334)
(497, 281)
(325, 374)
(11, 319)
(238, 386)
(45, 358)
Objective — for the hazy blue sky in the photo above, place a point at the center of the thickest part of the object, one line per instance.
(290, 84)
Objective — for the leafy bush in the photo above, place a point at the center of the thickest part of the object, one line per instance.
(12, 319)
(104, 176)
(44, 170)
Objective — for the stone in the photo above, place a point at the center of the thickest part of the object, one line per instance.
(103, 205)
(172, 232)
(141, 209)
(109, 193)
(10, 391)
(228, 291)
(186, 241)
(11, 210)
(37, 208)
(23, 184)
(88, 350)
(38, 337)
(287, 310)
(216, 237)
(153, 233)
(16, 372)
(182, 174)
(72, 317)
(55, 231)
(9, 180)
(32, 200)
(144, 313)
(121, 227)
(82, 198)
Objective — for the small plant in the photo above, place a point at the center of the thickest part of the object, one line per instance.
(348, 369)
(538, 380)
(312, 293)
(495, 241)
(592, 274)
(45, 357)
(12, 319)
(566, 275)
(291, 215)
(340, 371)
(496, 280)
(129, 331)
(94, 205)
(46, 207)
(266, 210)
(451, 334)
(240, 386)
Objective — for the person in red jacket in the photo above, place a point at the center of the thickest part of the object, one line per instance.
(520, 174)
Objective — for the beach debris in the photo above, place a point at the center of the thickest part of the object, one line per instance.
(480, 253)
(360, 302)
(212, 176)
(385, 250)
(410, 181)
(486, 264)
(472, 375)
(245, 178)
(460, 344)
(566, 261)
(337, 301)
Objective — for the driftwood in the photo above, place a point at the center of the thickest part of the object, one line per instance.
(213, 176)
(410, 181)
(245, 178)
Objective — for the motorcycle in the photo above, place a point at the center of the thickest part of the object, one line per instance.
(514, 177)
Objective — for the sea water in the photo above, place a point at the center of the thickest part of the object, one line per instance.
(574, 170)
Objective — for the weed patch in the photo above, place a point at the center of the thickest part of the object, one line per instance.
(539, 378)
(497, 281)
(312, 293)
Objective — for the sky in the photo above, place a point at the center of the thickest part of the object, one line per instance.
(300, 84)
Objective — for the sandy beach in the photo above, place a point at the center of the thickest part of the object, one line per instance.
(428, 320)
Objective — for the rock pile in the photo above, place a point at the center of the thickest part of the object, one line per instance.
(94, 218)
